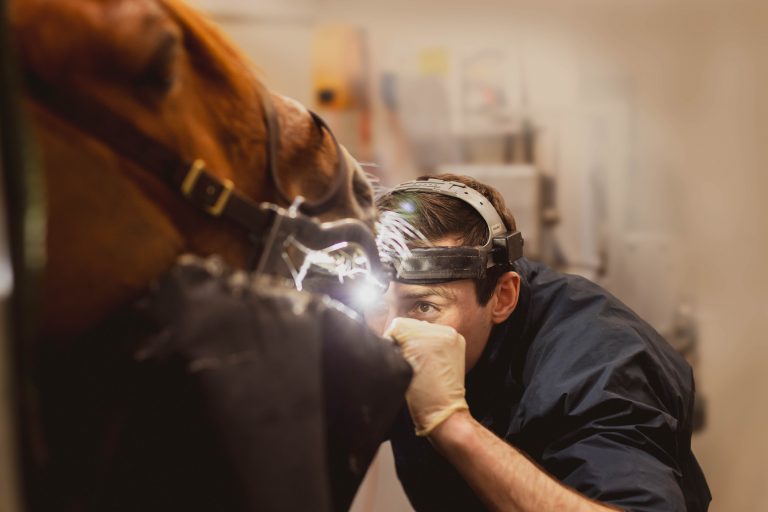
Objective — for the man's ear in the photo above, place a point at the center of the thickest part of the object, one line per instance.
(505, 296)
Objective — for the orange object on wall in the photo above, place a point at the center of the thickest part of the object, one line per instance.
(338, 67)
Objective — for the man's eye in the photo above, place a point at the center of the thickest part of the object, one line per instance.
(425, 308)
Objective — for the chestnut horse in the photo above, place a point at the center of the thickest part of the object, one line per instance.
(110, 84)
(163, 69)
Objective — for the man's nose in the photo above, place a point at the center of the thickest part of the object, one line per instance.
(391, 315)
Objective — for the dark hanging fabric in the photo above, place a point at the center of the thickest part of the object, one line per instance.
(218, 391)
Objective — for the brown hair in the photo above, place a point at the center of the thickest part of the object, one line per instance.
(438, 216)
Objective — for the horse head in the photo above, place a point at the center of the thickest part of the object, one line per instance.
(170, 76)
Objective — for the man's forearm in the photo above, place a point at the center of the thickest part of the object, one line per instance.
(500, 475)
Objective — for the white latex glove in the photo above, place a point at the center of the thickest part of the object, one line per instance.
(437, 355)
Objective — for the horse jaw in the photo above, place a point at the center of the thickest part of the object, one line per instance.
(105, 239)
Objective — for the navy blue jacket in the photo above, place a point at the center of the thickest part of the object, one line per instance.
(589, 391)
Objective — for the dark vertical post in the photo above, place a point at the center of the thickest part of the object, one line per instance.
(22, 256)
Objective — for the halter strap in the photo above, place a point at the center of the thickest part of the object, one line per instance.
(211, 194)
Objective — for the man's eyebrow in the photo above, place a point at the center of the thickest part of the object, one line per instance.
(428, 292)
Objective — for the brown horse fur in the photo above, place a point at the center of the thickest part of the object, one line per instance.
(113, 227)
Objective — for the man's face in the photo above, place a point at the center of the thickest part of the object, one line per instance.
(454, 304)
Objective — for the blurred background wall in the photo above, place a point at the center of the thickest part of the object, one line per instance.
(630, 137)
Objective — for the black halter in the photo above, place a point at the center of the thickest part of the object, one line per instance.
(215, 196)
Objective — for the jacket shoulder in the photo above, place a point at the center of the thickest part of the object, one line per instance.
(581, 336)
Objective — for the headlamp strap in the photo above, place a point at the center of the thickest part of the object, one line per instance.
(464, 193)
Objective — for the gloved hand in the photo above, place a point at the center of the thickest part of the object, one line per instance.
(436, 353)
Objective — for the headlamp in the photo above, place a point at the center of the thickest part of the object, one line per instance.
(440, 264)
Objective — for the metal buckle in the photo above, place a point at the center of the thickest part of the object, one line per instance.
(190, 181)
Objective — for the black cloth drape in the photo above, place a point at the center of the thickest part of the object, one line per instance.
(218, 391)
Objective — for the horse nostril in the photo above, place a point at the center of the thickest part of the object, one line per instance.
(362, 191)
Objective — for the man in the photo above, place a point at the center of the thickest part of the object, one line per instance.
(569, 402)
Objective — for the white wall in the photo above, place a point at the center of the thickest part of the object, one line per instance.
(670, 95)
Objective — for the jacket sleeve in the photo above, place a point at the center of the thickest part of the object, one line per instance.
(605, 413)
